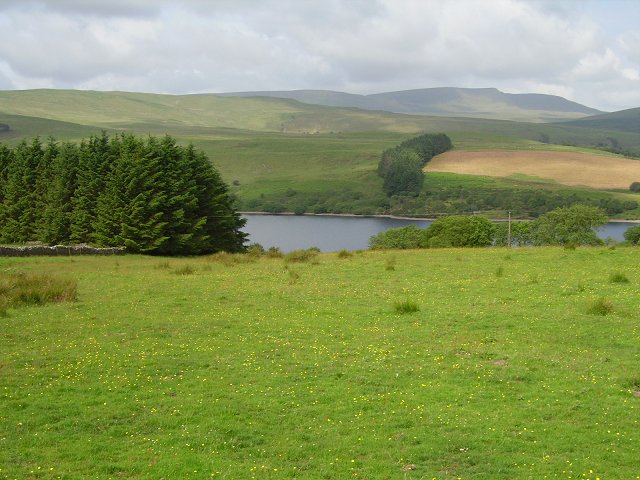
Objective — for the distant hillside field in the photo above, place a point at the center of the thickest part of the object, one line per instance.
(624, 120)
(283, 155)
(567, 168)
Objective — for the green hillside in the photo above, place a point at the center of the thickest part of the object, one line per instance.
(624, 120)
(18, 127)
(214, 116)
(280, 154)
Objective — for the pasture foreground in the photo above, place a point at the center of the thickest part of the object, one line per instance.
(222, 368)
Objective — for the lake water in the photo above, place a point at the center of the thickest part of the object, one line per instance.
(330, 234)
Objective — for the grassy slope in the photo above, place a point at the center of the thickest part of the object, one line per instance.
(25, 127)
(266, 144)
(313, 375)
(624, 120)
(207, 114)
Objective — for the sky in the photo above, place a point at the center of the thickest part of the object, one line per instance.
(585, 50)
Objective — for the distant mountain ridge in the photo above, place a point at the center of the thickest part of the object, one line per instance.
(447, 101)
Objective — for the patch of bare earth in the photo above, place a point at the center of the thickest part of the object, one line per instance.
(567, 168)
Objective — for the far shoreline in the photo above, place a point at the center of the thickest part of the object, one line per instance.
(398, 217)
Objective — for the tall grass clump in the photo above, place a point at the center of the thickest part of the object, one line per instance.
(601, 306)
(184, 270)
(301, 256)
(618, 277)
(230, 259)
(390, 263)
(274, 252)
(293, 277)
(255, 250)
(405, 306)
(22, 289)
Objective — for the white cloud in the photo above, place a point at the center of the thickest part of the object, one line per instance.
(362, 46)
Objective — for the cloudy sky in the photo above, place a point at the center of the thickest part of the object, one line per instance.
(585, 50)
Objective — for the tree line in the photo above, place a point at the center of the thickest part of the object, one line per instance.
(149, 195)
(401, 166)
(574, 225)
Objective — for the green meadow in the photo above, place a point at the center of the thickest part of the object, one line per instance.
(446, 364)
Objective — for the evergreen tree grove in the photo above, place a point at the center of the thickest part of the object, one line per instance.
(148, 194)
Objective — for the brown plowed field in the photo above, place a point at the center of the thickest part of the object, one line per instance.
(568, 168)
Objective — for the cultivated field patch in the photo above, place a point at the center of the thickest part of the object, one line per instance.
(568, 168)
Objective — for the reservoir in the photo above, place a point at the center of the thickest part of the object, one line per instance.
(333, 233)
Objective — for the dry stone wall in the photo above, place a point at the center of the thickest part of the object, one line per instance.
(58, 250)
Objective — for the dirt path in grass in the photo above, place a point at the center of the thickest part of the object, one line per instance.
(568, 168)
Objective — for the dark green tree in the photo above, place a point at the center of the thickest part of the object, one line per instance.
(56, 219)
(404, 175)
(215, 221)
(6, 159)
(20, 200)
(105, 229)
(96, 157)
(144, 226)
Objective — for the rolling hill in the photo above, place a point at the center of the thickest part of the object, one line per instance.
(206, 115)
(460, 102)
(284, 155)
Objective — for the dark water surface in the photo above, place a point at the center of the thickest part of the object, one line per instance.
(330, 234)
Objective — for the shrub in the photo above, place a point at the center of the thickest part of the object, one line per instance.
(460, 231)
(344, 254)
(632, 235)
(401, 238)
(405, 306)
(566, 226)
(635, 187)
(255, 250)
(601, 306)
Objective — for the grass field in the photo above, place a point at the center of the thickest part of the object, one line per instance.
(565, 167)
(221, 368)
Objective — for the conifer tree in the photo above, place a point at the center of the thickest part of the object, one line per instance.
(20, 214)
(6, 158)
(150, 195)
(56, 221)
(214, 215)
(143, 222)
(96, 157)
(106, 228)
